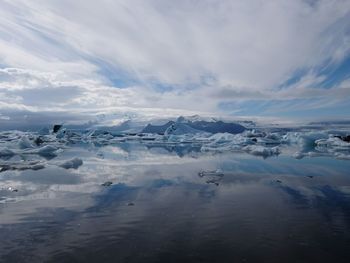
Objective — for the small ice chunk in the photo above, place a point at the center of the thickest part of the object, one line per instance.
(298, 155)
(332, 142)
(73, 163)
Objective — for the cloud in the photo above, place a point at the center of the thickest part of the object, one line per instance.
(184, 56)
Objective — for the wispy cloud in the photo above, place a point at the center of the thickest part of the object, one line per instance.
(184, 56)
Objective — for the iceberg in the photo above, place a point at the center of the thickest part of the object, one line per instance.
(306, 140)
(332, 142)
(181, 135)
(261, 150)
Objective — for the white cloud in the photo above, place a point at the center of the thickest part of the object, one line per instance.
(209, 51)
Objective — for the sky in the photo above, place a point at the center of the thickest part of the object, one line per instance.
(83, 60)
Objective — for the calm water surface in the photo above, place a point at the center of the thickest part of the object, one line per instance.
(159, 209)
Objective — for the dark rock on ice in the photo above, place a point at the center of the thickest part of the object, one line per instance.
(38, 141)
(56, 128)
(343, 138)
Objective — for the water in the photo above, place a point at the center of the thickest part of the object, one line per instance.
(160, 209)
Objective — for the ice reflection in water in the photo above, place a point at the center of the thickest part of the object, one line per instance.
(160, 209)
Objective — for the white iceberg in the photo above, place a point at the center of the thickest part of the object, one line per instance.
(261, 150)
(306, 140)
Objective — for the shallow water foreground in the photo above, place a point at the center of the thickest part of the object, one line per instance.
(133, 203)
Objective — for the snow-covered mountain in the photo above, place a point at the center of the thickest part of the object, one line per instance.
(160, 129)
(181, 129)
(195, 124)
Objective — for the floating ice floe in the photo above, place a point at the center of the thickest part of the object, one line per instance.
(212, 177)
(71, 164)
(224, 142)
(306, 140)
(298, 155)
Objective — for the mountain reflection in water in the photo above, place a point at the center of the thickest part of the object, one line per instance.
(176, 204)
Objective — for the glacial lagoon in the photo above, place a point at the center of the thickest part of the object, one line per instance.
(145, 199)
